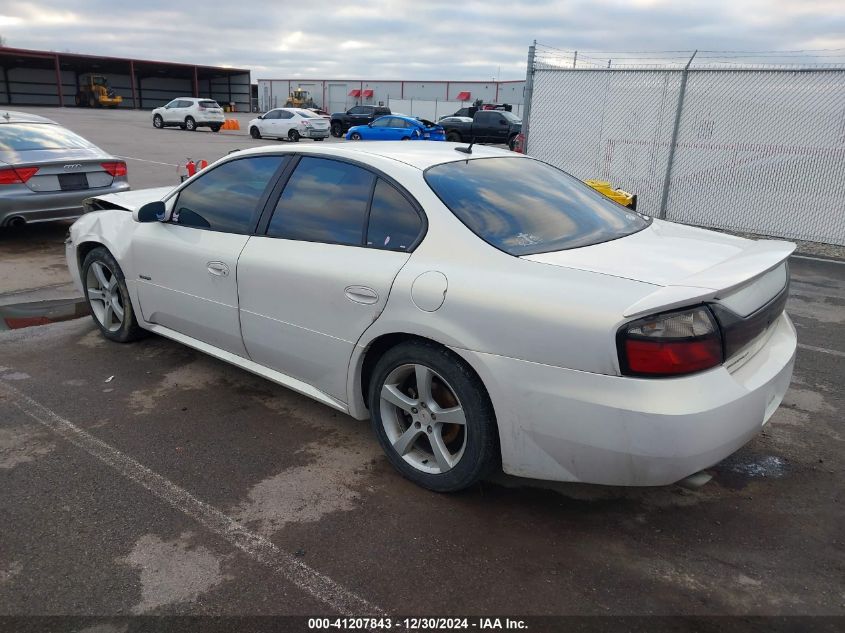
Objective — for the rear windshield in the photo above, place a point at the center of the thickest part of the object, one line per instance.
(209, 104)
(305, 114)
(20, 137)
(523, 207)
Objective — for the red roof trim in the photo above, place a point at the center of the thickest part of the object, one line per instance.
(463, 96)
(354, 93)
(368, 93)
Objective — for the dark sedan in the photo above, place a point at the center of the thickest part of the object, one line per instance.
(46, 171)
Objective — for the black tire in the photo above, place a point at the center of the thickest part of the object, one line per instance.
(158, 122)
(129, 329)
(481, 453)
(215, 128)
(181, 126)
(190, 124)
(293, 135)
(405, 138)
(453, 137)
(254, 132)
(337, 130)
(93, 103)
(355, 136)
(512, 142)
(80, 100)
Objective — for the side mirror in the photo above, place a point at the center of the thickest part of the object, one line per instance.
(260, 116)
(150, 212)
(369, 125)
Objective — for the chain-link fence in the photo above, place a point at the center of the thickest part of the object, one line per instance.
(700, 140)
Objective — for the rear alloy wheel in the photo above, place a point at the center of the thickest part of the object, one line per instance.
(254, 133)
(355, 136)
(512, 142)
(108, 297)
(158, 122)
(337, 130)
(293, 135)
(432, 417)
(190, 124)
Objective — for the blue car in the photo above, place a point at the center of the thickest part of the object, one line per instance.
(393, 127)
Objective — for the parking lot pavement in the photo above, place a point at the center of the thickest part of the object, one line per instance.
(149, 478)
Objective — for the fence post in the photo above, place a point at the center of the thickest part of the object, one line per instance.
(528, 90)
(664, 195)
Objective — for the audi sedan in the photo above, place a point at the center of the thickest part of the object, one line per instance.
(46, 171)
(483, 309)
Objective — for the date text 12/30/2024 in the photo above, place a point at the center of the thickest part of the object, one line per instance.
(421, 624)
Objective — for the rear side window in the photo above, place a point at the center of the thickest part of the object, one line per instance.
(523, 206)
(20, 137)
(324, 201)
(394, 222)
(208, 104)
(285, 114)
(226, 198)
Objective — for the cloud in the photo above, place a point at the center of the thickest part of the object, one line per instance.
(403, 39)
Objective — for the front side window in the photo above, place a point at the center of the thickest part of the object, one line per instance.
(357, 110)
(172, 104)
(523, 206)
(272, 114)
(324, 201)
(394, 222)
(226, 198)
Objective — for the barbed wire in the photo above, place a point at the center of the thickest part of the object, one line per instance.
(559, 58)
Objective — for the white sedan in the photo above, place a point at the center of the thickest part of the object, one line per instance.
(483, 309)
(291, 124)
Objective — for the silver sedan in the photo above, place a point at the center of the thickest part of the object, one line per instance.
(46, 171)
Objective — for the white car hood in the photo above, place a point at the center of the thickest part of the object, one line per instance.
(131, 200)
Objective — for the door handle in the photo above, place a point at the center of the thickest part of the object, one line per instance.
(218, 268)
(361, 294)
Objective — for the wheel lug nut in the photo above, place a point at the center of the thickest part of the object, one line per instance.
(428, 429)
(433, 417)
(413, 409)
(417, 425)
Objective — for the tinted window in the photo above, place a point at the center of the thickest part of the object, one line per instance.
(486, 118)
(272, 114)
(399, 123)
(358, 110)
(523, 206)
(394, 223)
(324, 201)
(20, 137)
(382, 122)
(205, 103)
(285, 114)
(185, 104)
(226, 198)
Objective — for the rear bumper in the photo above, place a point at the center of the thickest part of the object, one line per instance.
(566, 425)
(315, 133)
(46, 206)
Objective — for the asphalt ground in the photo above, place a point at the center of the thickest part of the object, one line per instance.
(151, 479)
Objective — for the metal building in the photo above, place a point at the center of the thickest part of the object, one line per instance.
(341, 94)
(32, 77)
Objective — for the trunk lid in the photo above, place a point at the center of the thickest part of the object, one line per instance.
(62, 169)
(686, 264)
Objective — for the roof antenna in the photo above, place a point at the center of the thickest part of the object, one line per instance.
(467, 149)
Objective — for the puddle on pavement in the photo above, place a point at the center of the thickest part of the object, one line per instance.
(737, 471)
(21, 315)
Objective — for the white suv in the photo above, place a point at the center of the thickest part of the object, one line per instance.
(189, 113)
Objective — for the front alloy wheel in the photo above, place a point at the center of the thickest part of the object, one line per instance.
(432, 417)
(108, 297)
(158, 122)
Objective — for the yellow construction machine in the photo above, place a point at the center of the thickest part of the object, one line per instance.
(95, 92)
(300, 98)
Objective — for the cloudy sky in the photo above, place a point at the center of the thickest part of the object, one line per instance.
(419, 39)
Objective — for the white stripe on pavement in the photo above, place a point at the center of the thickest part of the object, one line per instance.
(144, 160)
(255, 546)
(823, 350)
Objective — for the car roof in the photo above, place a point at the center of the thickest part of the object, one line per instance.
(13, 116)
(421, 155)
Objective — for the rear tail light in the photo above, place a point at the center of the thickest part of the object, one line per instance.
(16, 176)
(670, 344)
(306, 123)
(115, 169)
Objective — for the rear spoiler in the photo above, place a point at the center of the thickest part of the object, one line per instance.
(740, 270)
